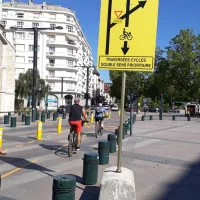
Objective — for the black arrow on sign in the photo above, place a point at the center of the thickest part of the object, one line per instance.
(141, 4)
(127, 11)
(125, 48)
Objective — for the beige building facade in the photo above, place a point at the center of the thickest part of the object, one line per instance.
(7, 73)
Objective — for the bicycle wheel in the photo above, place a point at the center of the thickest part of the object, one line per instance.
(101, 131)
(122, 37)
(74, 141)
(130, 37)
(96, 131)
(70, 147)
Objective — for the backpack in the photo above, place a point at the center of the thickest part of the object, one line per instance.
(98, 111)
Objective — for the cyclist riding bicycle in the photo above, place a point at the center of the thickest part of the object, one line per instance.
(75, 119)
(99, 113)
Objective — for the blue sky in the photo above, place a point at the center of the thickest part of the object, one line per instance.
(173, 16)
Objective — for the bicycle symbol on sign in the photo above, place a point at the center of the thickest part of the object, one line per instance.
(126, 35)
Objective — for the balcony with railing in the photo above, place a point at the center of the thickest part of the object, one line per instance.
(62, 55)
(61, 67)
(70, 44)
(57, 78)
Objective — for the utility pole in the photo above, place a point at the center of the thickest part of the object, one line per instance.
(87, 89)
(161, 106)
(62, 89)
(35, 30)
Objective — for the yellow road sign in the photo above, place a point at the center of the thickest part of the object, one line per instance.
(127, 35)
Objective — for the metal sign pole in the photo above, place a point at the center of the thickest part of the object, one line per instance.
(121, 123)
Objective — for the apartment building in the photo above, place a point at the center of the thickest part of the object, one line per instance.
(61, 53)
(7, 71)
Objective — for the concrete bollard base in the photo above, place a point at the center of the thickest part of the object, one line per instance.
(117, 186)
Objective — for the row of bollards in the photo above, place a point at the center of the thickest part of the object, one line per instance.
(64, 186)
(173, 118)
(27, 119)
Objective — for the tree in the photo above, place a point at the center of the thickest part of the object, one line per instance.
(23, 86)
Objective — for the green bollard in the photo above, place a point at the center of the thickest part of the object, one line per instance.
(23, 117)
(103, 150)
(27, 120)
(48, 115)
(112, 139)
(90, 168)
(43, 117)
(143, 118)
(117, 134)
(64, 187)
(6, 119)
(37, 116)
(54, 116)
(64, 115)
(124, 131)
(13, 122)
(151, 117)
(173, 118)
(9, 114)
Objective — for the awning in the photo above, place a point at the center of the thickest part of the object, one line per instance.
(70, 37)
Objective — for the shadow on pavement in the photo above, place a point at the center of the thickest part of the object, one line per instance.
(25, 164)
(50, 147)
(90, 193)
(89, 134)
(186, 187)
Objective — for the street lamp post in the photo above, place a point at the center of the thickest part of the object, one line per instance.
(35, 30)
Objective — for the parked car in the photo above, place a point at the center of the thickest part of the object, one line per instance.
(63, 108)
(115, 108)
(106, 106)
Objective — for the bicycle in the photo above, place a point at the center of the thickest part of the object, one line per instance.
(72, 138)
(127, 36)
(99, 128)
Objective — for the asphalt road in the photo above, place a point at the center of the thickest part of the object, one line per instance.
(164, 156)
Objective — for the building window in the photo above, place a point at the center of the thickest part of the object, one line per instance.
(68, 18)
(20, 47)
(30, 60)
(52, 16)
(70, 52)
(70, 29)
(20, 59)
(51, 50)
(20, 35)
(31, 36)
(36, 15)
(31, 48)
(51, 62)
(52, 85)
(35, 25)
(52, 38)
(20, 15)
(20, 24)
(51, 73)
(70, 63)
(52, 25)
(4, 23)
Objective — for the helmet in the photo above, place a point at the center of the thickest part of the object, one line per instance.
(100, 104)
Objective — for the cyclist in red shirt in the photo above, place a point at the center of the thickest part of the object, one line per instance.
(75, 119)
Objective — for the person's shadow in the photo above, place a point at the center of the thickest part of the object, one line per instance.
(25, 164)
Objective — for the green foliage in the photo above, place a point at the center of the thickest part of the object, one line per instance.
(23, 86)
(177, 73)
